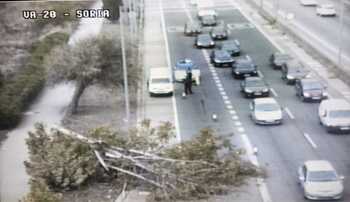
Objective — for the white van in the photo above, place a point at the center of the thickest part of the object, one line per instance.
(334, 114)
(160, 81)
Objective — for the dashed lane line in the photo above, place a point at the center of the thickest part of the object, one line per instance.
(291, 116)
(273, 92)
(308, 138)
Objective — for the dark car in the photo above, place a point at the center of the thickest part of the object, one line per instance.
(293, 70)
(310, 89)
(231, 46)
(219, 32)
(220, 58)
(278, 59)
(208, 20)
(244, 67)
(204, 41)
(192, 28)
(254, 87)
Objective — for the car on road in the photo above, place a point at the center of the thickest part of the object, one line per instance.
(308, 2)
(326, 10)
(219, 32)
(159, 82)
(205, 12)
(293, 70)
(231, 46)
(310, 90)
(266, 111)
(192, 28)
(184, 65)
(221, 58)
(320, 181)
(277, 59)
(254, 87)
(204, 41)
(244, 67)
(208, 20)
(334, 115)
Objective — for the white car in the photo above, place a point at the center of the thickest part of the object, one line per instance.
(206, 12)
(266, 111)
(325, 10)
(160, 82)
(334, 115)
(320, 181)
(308, 2)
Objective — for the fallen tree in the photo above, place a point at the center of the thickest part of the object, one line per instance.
(142, 157)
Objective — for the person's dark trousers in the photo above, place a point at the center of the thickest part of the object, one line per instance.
(190, 86)
(186, 87)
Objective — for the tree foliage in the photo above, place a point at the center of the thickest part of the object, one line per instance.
(142, 157)
(91, 61)
(39, 192)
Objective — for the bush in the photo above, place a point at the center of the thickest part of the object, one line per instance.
(39, 192)
(20, 91)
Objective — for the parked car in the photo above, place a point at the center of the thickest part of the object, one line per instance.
(278, 59)
(244, 67)
(254, 87)
(308, 2)
(208, 20)
(184, 65)
(219, 32)
(205, 12)
(293, 70)
(326, 10)
(334, 115)
(204, 41)
(192, 28)
(310, 89)
(266, 111)
(220, 58)
(159, 82)
(320, 181)
(231, 46)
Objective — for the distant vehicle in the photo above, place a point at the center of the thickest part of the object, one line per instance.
(325, 10)
(192, 28)
(219, 32)
(254, 87)
(320, 181)
(220, 58)
(205, 12)
(181, 68)
(159, 81)
(278, 59)
(334, 115)
(308, 2)
(310, 89)
(266, 111)
(208, 20)
(204, 41)
(292, 70)
(244, 67)
(231, 46)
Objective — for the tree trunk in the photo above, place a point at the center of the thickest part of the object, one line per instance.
(79, 90)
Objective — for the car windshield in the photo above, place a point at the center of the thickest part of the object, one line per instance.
(339, 114)
(161, 80)
(327, 6)
(204, 38)
(223, 55)
(255, 83)
(322, 176)
(282, 57)
(313, 86)
(208, 17)
(267, 107)
(245, 65)
(229, 46)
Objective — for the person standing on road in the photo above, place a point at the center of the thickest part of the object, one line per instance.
(188, 82)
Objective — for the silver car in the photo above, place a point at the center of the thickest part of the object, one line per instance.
(266, 111)
(320, 181)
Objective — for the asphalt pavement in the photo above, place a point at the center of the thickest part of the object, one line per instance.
(281, 148)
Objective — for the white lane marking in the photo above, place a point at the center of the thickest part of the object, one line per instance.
(250, 150)
(227, 102)
(240, 129)
(291, 116)
(235, 118)
(219, 85)
(308, 138)
(238, 123)
(214, 74)
(225, 97)
(176, 119)
(263, 190)
(221, 89)
(215, 77)
(229, 107)
(260, 74)
(223, 93)
(232, 112)
(273, 92)
(217, 81)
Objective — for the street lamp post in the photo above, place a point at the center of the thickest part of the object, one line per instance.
(341, 26)
(125, 73)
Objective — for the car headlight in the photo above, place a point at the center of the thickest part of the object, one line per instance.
(324, 94)
(265, 90)
(213, 35)
(306, 94)
(248, 90)
(290, 77)
(237, 72)
(217, 60)
(212, 43)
